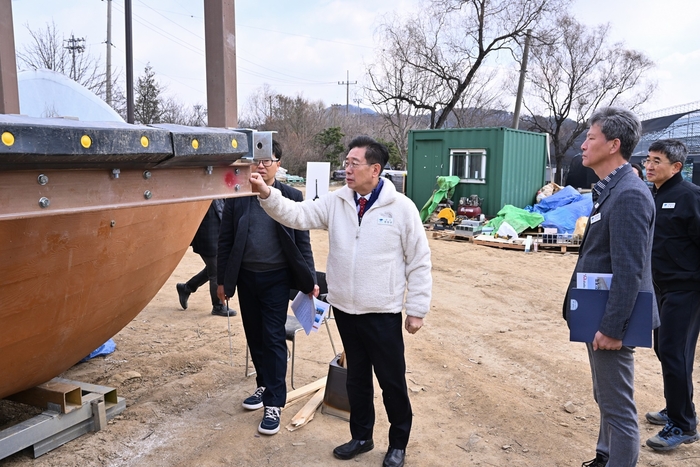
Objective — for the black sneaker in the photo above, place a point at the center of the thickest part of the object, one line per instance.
(254, 401)
(221, 310)
(183, 293)
(599, 461)
(270, 423)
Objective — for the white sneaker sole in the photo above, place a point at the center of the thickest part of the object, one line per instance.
(268, 432)
(252, 406)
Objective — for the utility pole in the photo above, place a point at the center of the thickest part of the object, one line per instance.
(347, 91)
(358, 102)
(108, 74)
(521, 83)
(74, 46)
(129, 62)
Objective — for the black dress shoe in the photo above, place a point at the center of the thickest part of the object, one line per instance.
(353, 448)
(221, 310)
(183, 292)
(394, 458)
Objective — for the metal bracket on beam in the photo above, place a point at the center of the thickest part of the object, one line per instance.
(52, 429)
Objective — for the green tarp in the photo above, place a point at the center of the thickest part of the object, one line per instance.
(518, 218)
(445, 189)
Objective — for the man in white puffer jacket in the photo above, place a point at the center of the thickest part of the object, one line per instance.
(378, 265)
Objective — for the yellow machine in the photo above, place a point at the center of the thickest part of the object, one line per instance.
(447, 216)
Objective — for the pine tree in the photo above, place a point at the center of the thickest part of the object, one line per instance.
(148, 107)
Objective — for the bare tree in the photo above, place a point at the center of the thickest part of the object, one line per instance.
(573, 71)
(302, 125)
(297, 122)
(47, 51)
(429, 61)
(174, 111)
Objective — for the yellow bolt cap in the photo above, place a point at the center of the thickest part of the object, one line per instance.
(8, 138)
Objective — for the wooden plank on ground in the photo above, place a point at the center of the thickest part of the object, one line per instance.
(306, 390)
(451, 235)
(558, 247)
(502, 244)
(306, 414)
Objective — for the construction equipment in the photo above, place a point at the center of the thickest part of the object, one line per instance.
(447, 216)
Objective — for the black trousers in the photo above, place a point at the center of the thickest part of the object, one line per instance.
(674, 344)
(376, 340)
(208, 274)
(264, 298)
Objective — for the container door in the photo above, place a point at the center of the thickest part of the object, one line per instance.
(428, 163)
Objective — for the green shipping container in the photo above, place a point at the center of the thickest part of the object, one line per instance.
(501, 165)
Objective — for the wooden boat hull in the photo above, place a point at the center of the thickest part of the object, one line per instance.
(74, 273)
(70, 282)
(94, 218)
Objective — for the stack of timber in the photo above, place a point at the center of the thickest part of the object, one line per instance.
(453, 235)
(519, 244)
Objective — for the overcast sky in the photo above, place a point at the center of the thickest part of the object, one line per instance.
(307, 46)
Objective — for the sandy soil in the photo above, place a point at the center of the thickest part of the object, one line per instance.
(489, 375)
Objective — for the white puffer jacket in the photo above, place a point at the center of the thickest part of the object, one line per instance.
(373, 266)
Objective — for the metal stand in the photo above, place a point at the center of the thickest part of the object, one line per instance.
(57, 425)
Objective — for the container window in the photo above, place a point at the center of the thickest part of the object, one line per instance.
(468, 164)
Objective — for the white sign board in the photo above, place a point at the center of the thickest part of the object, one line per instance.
(317, 179)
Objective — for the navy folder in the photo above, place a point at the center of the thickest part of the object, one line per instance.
(586, 308)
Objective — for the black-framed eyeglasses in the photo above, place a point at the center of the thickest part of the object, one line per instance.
(265, 162)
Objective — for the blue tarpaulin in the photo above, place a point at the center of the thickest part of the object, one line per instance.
(105, 349)
(563, 208)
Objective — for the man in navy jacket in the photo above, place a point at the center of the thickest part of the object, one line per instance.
(676, 269)
(204, 244)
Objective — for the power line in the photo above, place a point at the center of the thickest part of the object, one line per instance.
(167, 35)
(176, 24)
(307, 37)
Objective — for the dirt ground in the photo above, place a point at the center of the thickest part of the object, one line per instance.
(489, 375)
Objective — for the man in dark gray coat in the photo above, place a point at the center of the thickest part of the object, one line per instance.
(618, 240)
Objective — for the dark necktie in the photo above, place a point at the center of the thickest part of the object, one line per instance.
(363, 202)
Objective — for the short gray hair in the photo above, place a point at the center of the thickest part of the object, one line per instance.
(673, 149)
(618, 123)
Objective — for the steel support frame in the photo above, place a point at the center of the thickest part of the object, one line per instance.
(51, 429)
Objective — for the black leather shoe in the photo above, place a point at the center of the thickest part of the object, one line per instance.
(183, 292)
(353, 448)
(394, 458)
(221, 310)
